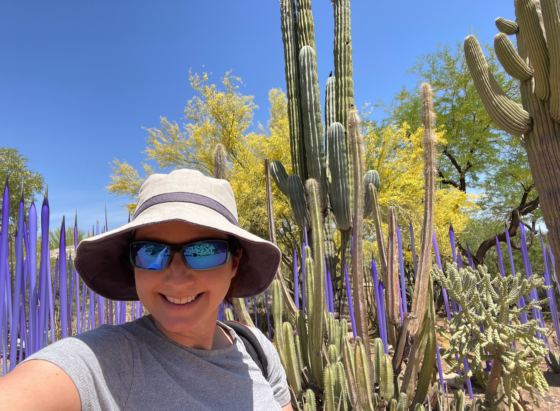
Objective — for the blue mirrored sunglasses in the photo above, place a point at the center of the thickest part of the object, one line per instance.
(199, 255)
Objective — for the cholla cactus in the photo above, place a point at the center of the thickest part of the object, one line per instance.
(490, 302)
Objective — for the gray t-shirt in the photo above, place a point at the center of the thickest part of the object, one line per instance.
(134, 366)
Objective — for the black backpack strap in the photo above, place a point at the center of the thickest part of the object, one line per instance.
(252, 345)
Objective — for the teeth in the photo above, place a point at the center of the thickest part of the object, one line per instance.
(182, 300)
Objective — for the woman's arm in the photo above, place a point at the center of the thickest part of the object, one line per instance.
(287, 407)
(38, 385)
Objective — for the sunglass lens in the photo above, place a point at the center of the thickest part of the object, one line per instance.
(206, 254)
(149, 256)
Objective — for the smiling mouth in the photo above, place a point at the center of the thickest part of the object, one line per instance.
(182, 301)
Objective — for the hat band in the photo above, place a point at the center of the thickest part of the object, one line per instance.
(192, 198)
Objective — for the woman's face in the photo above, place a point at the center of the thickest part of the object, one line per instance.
(178, 282)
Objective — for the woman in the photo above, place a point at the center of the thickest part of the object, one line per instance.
(181, 256)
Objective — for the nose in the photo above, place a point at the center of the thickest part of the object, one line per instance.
(178, 273)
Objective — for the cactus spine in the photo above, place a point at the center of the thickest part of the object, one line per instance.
(290, 40)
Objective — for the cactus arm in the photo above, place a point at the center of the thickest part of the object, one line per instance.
(530, 27)
(290, 305)
(303, 339)
(512, 63)
(277, 315)
(423, 275)
(329, 377)
(340, 189)
(551, 17)
(311, 111)
(507, 114)
(507, 26)
(358, 291)
(371, 177)
(349, 370)
(317, 324)
(291, 359)
(297, 201)
(280, 176)
(393, 309)
(289, 38)
(242, 314)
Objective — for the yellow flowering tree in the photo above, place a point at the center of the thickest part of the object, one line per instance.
(397, 155)
(220, 115)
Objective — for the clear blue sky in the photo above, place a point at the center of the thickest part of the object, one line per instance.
(80, 80)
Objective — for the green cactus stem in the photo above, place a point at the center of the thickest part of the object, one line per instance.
(329, 377)
(316, 317)
(507, 26)
(459, 400)
(296, 195)
(306, 27)
(377, 360)
(220, 162)
(340, 188)
(423, 275)
(290, 40)
(280, 176)
(393, 405)
(290, 358)
(507, 114)
(402, 404)
(532, 31)
(371, 177)
(387, 388)
(392, 302)
(512, 63)
(330, 247)
(358, 290)
(303, 337)
(277, 305)
(343, 72)
(341, 387)
(310, 403)
(311, 111)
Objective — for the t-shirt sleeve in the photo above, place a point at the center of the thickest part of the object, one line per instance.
(99, 362)
(276, 373)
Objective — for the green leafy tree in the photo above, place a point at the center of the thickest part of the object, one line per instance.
(475, 155)
(14, 165)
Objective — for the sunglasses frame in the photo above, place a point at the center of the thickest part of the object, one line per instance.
(179, 249)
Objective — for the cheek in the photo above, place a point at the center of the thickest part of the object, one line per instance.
(145, 284)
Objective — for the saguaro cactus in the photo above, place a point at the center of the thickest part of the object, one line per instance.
(536, 64)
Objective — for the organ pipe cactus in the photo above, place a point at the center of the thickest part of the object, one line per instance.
(311, 113)
(291, 49)
(290, 357)
(343, 72)
(423, 274)
(536, 63)
(393, 291)
(487, 301)
(340, 189)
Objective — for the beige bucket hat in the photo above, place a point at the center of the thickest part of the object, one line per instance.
(182, 195)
